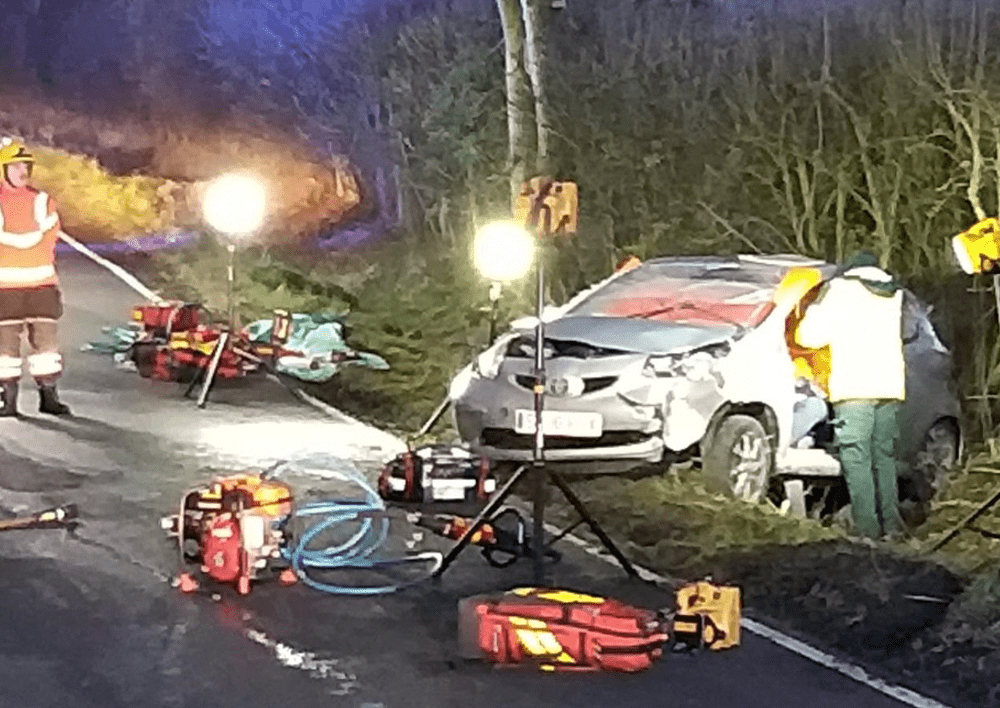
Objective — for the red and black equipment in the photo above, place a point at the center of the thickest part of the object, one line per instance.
(503, 539)
(437, 473)
(560, 630)
(176, 345)
(234, 528)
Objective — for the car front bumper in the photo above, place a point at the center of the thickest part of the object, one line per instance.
(632, 428)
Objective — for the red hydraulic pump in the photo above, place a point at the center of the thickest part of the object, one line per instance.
(234, 528)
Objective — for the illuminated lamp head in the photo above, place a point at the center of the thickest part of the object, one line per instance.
(977, 250)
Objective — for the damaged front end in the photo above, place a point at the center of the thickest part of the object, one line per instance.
(606, 399)
(690, 384)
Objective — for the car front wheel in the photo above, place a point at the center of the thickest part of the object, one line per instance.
(739, 458)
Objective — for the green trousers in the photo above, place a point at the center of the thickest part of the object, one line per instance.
(866, 435)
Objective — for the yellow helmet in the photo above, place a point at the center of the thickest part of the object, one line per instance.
(13, 151)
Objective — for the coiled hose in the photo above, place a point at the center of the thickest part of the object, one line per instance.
(360, 550)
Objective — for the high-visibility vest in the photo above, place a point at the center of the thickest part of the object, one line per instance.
(29, 230)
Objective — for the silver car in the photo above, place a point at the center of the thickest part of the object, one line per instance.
(691, 357)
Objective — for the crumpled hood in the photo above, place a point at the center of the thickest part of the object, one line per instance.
(636, 335)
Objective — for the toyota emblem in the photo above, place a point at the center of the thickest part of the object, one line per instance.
(558, 387)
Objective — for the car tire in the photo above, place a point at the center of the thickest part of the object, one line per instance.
(739, 459)
(930, 473)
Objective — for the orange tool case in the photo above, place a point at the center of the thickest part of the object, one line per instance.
(708, 616)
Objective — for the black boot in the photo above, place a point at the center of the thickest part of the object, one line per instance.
(9, 392)
(49, 400)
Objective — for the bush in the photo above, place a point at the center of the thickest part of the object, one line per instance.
(97, 205)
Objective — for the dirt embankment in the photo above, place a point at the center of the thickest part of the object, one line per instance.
(926, 621)
(157, 171)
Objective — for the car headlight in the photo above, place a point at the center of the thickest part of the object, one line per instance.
(695, 364)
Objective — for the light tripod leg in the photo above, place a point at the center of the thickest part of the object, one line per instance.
(538, 525)
(594, 526)
(484, 516)
(195, 380)
(213, 367)
(964, 523)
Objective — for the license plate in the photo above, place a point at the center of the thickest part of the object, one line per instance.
(569, 424)
(450, 490)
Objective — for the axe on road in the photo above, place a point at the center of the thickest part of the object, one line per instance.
(57, 516)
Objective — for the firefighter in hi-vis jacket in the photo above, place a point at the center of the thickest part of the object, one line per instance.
(30, 300)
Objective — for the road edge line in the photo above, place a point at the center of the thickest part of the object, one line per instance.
(796, 646)
(116, 270)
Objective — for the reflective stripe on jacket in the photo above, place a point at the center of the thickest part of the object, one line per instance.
(862, 325)
(29, 230)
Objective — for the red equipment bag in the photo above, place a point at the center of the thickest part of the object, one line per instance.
(560, 630)
(161, 320)
(183, 365)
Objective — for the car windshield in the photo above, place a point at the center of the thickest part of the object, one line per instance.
(704, 293)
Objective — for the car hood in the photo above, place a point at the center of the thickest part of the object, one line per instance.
(637, 335)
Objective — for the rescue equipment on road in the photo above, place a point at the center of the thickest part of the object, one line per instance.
(560, 630)
(707, 617)
(247, 527)
(437, 473)
(503, 539)
(234, 528)
(175, 345)
(307, 347)
(55, 517)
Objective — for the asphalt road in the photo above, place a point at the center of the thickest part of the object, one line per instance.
(89, 618)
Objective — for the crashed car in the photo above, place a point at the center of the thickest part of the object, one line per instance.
(695, 357)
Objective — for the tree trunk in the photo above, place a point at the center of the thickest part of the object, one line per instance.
(520, 124)
(536, 16)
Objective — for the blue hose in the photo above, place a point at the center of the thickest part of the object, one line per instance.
(359, 550)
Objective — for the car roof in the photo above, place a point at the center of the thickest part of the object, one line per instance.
(765, 270)
(739, 288)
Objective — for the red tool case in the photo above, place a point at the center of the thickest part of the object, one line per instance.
(560, 630)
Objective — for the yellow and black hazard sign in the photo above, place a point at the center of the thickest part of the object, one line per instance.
(558, 214)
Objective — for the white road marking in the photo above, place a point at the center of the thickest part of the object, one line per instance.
(307, 661)
(796, 646)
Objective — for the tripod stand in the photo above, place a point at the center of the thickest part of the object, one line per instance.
(539, 472)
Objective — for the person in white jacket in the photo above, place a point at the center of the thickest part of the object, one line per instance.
(859, 316)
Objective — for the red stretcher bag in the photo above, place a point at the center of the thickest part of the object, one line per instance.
(560, 630)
